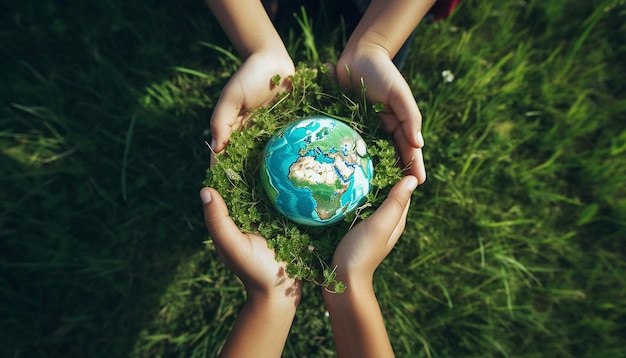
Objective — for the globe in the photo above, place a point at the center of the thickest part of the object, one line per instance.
(316, 170)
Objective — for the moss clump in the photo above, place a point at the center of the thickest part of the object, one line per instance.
(307, 250)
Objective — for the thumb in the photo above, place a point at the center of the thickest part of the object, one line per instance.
(385, 220)
(400, 195)
(221, 227)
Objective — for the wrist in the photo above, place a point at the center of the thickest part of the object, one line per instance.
(369, 44)
(354, 288)
(280, 302)
(362, 48)
(356, 299)
(277, 56)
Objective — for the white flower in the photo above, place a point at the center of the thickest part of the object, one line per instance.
(448, 76)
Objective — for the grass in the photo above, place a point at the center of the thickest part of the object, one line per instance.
(513, 247)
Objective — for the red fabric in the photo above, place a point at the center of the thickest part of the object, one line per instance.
(443, 8)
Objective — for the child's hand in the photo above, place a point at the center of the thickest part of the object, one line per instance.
(355, 315)
(365, 246)
(264, 321)
(384, 84)
(247, 255)
(251, 87)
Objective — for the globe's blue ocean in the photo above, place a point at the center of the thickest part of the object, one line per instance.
(315, 170)
(301, 204)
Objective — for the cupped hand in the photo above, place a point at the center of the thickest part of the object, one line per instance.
(367, 244)
(250, 88)
(246, 254)
(385, 84)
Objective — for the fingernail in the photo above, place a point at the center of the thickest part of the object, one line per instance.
(420, 139)
(205, 196)
(213, 143)
(411, 183)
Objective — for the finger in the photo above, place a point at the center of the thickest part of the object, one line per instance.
(387, 217)
(412, 158)
(212, 160)
(213, 157)
(286, 84)
(413, 161)
(418, 169)
(404, 107)
(397, 231)
(222, 229)
(221, 129)
(227, 116)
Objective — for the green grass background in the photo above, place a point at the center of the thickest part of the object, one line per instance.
(514, 247)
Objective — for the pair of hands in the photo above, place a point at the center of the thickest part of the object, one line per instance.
(251, 88)
(264, 322)
(356, 258)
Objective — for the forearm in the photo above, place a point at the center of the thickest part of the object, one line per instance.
(357, 323)
(387, 24)
(261, 328)
(247, 25)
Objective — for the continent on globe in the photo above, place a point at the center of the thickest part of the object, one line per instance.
(315, 170)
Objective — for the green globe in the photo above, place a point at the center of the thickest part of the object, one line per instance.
(316, 170)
